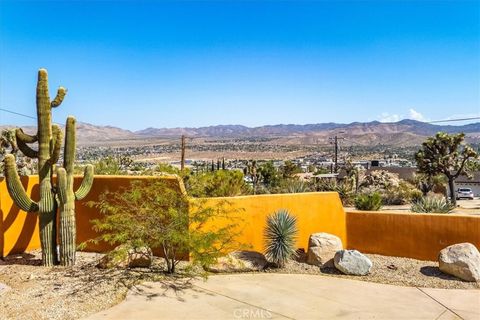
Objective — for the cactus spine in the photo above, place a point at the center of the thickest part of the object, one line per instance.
(49, 138)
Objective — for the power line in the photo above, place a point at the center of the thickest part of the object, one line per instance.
(18, 114)
(452, 120)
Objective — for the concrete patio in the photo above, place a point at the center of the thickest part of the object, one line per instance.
(285, 296)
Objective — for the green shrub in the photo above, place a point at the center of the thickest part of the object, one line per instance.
(221, 183)
(368, 201)
(280, 236)
(155, 215)
(432, 204)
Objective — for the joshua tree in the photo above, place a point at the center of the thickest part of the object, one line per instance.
(445, 154)
(49, 138)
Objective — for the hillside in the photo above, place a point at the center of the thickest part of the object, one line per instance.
(402, 133)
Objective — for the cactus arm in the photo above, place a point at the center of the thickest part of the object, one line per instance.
(26, 138)
(62, 184)
(15, 188)
(56, 144)
(61, 92)
(26, 150)
(70, 144)
(87, 183)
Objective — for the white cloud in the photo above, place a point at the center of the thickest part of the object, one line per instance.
(415, 115)
(387, 117)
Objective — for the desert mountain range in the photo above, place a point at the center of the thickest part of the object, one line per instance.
(401, 133)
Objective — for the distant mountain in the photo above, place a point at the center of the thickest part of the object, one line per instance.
(401, 133)
(354, 128)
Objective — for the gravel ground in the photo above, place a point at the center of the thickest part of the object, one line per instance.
(67, 293)
(388, 270)
(72, 293)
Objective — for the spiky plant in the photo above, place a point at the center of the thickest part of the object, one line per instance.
(432, 204)
(280, 237)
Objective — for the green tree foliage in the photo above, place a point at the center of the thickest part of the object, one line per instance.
(445, 154)
(155, 215)
(280, 236)
(289, 169)
(269, 175)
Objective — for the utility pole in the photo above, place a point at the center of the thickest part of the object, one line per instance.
(182, 161)
(335, 148)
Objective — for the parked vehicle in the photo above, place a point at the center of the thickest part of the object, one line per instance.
(464, 193)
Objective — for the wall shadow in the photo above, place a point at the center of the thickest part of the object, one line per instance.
(27, 230)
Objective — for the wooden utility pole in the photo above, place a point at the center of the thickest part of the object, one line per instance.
(335, 148)
(182, 161)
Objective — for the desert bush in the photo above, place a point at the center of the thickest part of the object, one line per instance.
(153, 214)
(293, 185)
(344, 189)
(368, 201)
(432, 204)
(403, 193)
(280, 236)
(221, 183)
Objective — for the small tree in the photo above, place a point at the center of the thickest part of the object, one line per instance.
(445, 154)
(156, 215)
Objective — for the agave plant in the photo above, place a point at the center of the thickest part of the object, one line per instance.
(280, 236)
(431, 204)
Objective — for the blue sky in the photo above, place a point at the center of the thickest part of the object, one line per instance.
(196, 63)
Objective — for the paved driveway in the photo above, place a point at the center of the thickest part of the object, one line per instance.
(282, 296)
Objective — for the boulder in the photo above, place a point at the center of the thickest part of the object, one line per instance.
(461, 260)
(126, 256)
(239, 261)
(322, 248)
(352, 262)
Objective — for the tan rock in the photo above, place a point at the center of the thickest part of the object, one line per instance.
(322, 248)
(125, 256)
(461, 260)
(239, 261)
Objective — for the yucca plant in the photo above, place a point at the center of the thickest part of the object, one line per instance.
(280, 237)
(432, 204)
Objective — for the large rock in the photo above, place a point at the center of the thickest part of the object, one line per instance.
(461, 260)
(126, 256)
(352, 262)
(240, 261)
(322, 248)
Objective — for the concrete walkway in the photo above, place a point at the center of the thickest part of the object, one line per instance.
(282, 296)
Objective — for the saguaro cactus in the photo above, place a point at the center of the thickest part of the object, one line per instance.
(49, 138)
(67, 197)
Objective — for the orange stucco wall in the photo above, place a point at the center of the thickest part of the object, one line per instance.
(418, 236)
(412, 235)
(19, 230)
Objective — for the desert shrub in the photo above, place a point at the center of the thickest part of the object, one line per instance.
(293, 185)
(344, 189)
(155, 215)
(368, 201)
(432, 204)
(221, 183)
(280, 236)
(402, 193)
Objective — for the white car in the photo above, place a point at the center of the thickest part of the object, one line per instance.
(465, 193)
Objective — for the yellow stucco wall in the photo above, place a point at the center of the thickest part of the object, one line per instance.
(315, 212)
